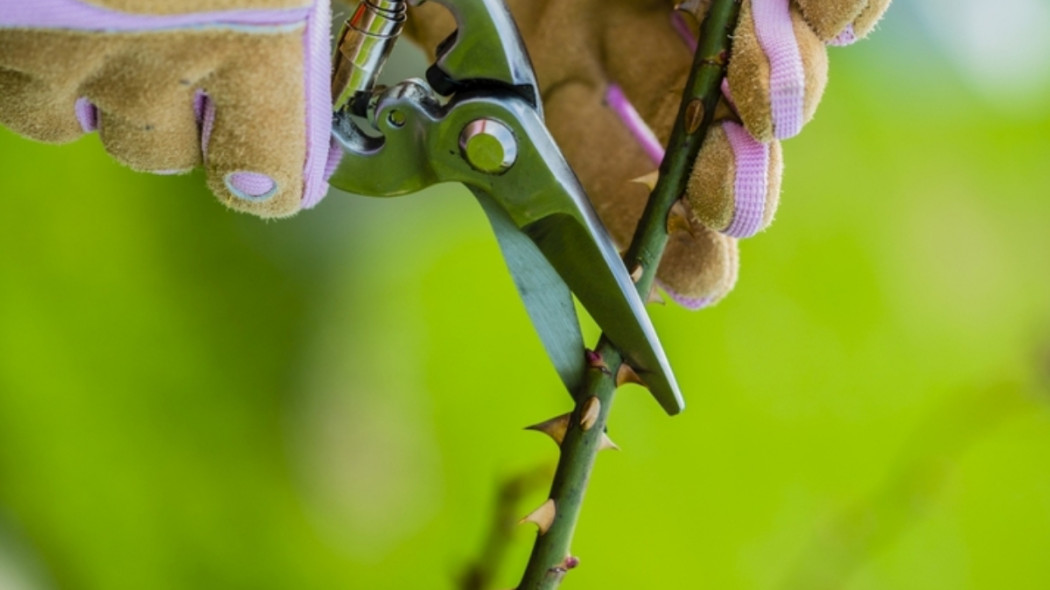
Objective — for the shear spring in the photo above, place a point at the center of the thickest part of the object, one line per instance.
(364, 46)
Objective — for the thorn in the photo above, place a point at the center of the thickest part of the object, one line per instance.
(627, 374)
(607, 444)
(595, 361)
(678, 219)
(655, 297)
(694, 115)
(636, 274)
(542, 517)
(648, 180)
(591, 408)
(554, 428)
(570, 562)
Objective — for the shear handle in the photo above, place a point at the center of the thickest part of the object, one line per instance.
(485, 50)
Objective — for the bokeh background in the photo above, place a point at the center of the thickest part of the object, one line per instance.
(191, 398)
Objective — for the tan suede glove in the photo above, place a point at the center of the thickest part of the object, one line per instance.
(611, 73)
(238, 86)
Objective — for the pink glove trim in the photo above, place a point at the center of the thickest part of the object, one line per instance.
(616, 99)
(335, 155)
(690, 303)
(72, 14)
(318, 72)
(251, 186)
(847, 37)
(200, 104)
(87, 114)
(683, 30)
(751, 184)
(787, 78)
(204, 108)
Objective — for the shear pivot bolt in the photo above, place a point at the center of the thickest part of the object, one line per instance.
(396, 118)
(488, 145)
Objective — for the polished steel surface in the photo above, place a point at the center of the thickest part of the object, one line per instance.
(364, 45)
(484, 128)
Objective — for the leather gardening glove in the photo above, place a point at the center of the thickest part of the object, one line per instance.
(611, 73)
(238, 86)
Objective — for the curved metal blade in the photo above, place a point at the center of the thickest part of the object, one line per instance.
(582, 258)
(541, 195)
(547, 298)
(538, 194)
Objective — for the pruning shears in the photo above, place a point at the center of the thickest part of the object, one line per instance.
(477, 120)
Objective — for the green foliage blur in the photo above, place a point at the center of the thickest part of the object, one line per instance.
(192, 398)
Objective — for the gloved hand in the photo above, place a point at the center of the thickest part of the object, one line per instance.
(240, 86)
(611, 73)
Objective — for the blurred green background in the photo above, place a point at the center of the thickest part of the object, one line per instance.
(191, 398)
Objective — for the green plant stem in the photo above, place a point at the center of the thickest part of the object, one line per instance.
(551, 558)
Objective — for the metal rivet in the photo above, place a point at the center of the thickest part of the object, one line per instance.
(488, 145)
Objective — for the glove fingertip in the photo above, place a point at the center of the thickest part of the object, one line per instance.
(778, 71)
(37, 110)
(829, 18)
(710, 191)
(699, 267)
(242, 175)
(161, 141)
(870, 17)
(690, 303)
(839, 23)
(259, 193)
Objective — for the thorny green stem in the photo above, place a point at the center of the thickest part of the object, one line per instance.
(551, 558)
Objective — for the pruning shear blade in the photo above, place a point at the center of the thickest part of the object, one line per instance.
(489, 135)
(547, 298)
